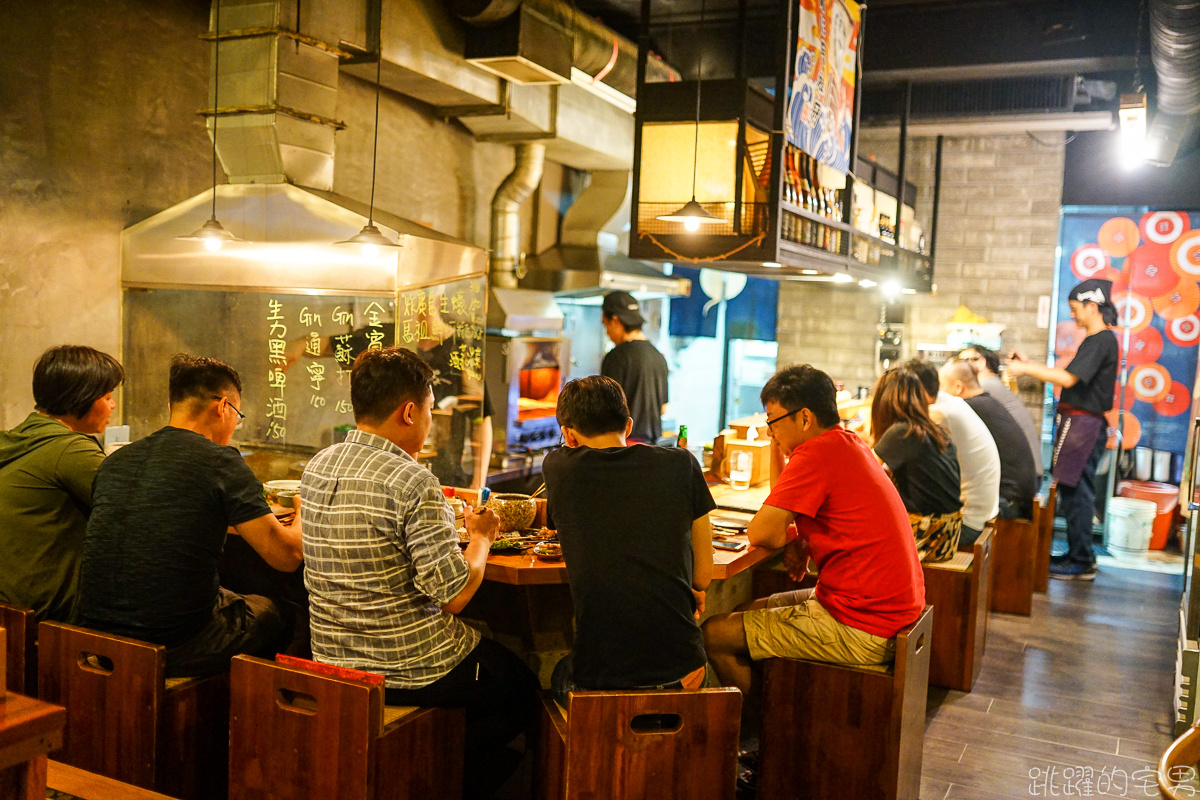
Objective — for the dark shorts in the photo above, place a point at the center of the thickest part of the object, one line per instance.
(240, 624)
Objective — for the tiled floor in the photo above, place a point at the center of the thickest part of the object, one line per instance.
(1073, 701)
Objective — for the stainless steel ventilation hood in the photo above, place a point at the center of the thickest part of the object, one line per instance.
(516, 311)
(578, 271)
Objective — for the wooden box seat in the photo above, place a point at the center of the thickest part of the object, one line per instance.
(20, 674)
(296, 733)
(640, 745)
(1045, 527)
(1177, 768)
(125, 721)
(960, 592)
(832, 731)
(1014, 555)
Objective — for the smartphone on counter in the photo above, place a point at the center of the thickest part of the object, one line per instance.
(727, 545)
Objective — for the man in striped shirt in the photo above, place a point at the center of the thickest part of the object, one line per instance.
(385, 575)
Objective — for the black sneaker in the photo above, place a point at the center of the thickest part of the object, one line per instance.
(1070, 571)
(1058, 559)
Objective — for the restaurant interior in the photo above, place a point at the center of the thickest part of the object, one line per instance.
(281, 184)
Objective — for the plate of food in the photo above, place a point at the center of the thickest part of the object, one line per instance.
(548, 551)
(509, 546)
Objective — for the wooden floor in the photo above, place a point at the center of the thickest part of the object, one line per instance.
(1086, 681)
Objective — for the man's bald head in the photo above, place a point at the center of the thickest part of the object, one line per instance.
(957, 378)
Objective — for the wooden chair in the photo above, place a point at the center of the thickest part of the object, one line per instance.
(640, 745)
(83, 785)
(960, 592)
(1177, 775)
(20, 675)
(832, 731)
(1045, 527)
(126, 722)
(296, 734)
(1014, 553)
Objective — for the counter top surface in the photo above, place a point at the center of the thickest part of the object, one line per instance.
(526, 569)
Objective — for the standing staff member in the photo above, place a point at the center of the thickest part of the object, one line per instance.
(1088, 383)
(636, 365)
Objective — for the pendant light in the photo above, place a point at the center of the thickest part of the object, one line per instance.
(691, 213)
(370, 237)
(212, 233)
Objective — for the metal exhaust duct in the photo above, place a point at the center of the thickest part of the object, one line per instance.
(506, 212)
(1175, 51)
(598, 50)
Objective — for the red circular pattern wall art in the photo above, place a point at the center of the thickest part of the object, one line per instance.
(1145, 346)
(1132, 309)
(1067, 337)
(1151, 382)
(1150, 270)
(1177, 401)
(1185, 255)
(1183, 332)
(1088, 261)
(1180, 302)
(1163, 227)
(1118, 237)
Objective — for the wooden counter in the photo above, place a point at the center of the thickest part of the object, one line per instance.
(528, 570)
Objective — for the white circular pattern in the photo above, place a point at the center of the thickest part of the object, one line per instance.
(1187, 256)
(1135, 309)
(1184, 330)
(1088, 260)
(1173, 228)
(1149, 384)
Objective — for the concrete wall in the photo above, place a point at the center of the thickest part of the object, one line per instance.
(100, 130)
(996, 238)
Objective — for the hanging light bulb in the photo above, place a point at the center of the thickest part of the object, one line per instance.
(212, 232)
(691, 213)
(370, 238)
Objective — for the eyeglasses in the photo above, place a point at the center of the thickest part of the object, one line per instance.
(782, 417)
(236, 410)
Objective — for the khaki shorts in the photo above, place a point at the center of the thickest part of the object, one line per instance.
(795, 625)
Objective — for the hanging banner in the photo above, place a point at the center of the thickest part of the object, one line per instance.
(1153, 260)
(820, 116)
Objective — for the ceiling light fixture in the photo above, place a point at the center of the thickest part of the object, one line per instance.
(370, 237)
(1133, 128)
(213, 233)
(691, 213)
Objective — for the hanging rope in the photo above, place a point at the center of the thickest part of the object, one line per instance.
(680, 257)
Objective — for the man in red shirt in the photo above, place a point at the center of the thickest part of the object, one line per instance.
(849, 520)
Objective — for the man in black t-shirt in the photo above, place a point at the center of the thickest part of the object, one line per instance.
(1088, 383)
(633, 524)
(162, 508)
(1018, 471)
(636, 365)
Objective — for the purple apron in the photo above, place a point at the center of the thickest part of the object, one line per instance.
(1077, 436)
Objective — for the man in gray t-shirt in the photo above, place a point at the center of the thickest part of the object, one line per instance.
(986, 365)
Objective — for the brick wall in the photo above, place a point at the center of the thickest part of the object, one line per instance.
(996, 238)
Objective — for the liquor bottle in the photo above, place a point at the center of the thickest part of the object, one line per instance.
(790, 191)
(682, 439)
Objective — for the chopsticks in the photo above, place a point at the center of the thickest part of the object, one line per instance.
(541, 489)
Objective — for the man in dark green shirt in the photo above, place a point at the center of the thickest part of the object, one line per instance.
(47, 464)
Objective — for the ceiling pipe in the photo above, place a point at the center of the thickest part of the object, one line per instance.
(1175, 51)
(506, 212)
(598, 50)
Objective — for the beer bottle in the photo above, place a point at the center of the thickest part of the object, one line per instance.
(682, 439)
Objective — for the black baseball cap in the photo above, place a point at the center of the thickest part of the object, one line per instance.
(624, 307)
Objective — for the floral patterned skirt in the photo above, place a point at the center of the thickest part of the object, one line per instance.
(937, 535)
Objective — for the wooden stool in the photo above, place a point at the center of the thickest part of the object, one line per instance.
(1014, 551)
(1178, 766)
(295, 734)
(640, 745)
(832, 731)
(1045, 525)
(85, 785)
(125, 721)
(960, 592)
(20, 675)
